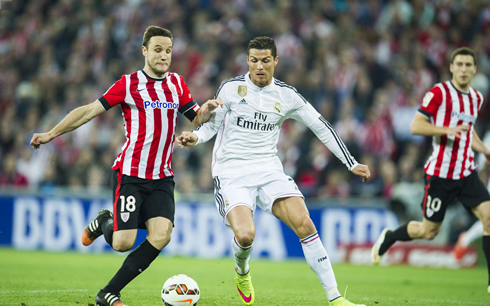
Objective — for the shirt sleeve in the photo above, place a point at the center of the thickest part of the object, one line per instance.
(307, 114)
(431, 102)
(208, 129)
(114, 95)
(187, 106)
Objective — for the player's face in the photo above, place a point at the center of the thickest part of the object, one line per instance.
(261, 65)
(158, 55)
(463, 68)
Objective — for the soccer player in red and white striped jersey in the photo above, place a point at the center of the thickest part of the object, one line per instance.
(448, 114)
(143, 178)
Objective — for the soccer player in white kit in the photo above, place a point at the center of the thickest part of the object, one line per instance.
(247, 171)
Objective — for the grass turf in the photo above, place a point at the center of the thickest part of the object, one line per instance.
(42, 278)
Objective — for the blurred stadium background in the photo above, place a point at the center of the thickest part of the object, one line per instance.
(365, 65)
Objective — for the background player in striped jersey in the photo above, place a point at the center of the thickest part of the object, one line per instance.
(452, 108)
(247, 171)
(143, 177)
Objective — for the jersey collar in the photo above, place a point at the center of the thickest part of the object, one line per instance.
(254, 87)
(462, 92)
(152, 78)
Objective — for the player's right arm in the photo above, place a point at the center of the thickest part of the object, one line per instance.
(83, 114)
(204, 132)
(430, 104)
(76, 118)
(421, 126)
(208, 129)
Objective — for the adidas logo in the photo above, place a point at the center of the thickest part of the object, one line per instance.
(242, 101)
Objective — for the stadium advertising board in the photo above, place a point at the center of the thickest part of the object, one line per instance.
(55, 224)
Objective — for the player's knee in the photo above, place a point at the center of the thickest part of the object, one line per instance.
(159, 240)
(245, 238)
(122, 245)
(486, 224)
(430, 234)
(305, 227)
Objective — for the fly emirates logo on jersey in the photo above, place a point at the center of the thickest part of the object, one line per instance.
(258, 124)
(158, 104)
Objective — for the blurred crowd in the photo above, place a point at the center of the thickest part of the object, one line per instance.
(364, 65)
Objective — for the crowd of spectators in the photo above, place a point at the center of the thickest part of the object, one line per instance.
(365, 65)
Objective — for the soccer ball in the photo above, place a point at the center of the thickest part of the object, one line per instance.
(180, 289)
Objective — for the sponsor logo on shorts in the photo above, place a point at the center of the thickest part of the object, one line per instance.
(125, 216)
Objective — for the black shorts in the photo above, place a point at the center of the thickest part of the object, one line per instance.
(439, 193)
(136, 200)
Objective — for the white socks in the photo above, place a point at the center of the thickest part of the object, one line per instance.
(317, 259)
(473, 233)
(242, 256)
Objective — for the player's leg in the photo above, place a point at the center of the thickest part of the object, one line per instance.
(466, 238)
(438, 194)
(242, 224)
(234, 203)
(103, 224)
(475, 196)
(154, 205)
(426, 229)
(482, 212)
(293, 212)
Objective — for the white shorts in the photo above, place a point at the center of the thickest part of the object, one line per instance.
(253, 189)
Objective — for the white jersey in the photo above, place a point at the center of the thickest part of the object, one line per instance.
(249, 123)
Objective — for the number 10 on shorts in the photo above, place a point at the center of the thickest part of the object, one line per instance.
(433, 205)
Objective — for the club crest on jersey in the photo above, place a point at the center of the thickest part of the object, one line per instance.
(125, 216)
(171, 87)
(277, 108)
(242, 90)
(227, 203)
(428, 96)
(158, 104)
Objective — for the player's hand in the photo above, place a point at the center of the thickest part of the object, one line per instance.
(362, 170)
(40, 138)
(186, 139)
(211, 105)
(457, 130)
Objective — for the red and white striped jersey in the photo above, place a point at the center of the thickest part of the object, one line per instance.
(452, 157)
(149, 110)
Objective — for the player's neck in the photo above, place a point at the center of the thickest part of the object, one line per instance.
(459, 87)
(152, 73)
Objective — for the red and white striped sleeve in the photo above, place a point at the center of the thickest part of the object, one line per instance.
(187, 106)
(114, 95)
(431, 102)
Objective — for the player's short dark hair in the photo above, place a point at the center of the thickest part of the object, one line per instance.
(156, 31)
(463, 51)
(263, 43)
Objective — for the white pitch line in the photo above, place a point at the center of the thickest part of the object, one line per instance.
(40, 291)
(430, 301)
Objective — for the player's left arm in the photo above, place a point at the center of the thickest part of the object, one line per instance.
(307, 114)
(478, 146)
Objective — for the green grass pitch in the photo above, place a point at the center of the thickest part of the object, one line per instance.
(42, 278)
